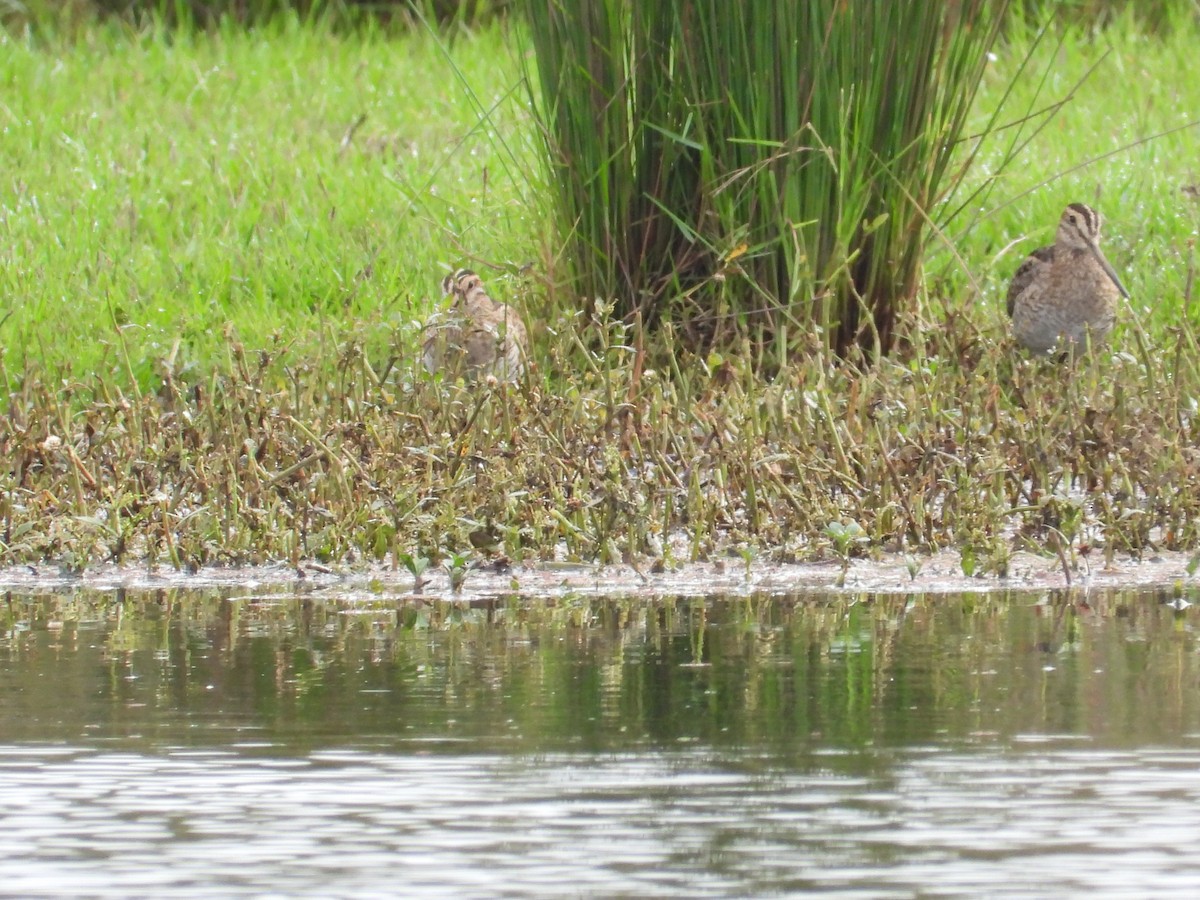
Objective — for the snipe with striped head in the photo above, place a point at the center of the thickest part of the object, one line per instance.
(1065, 295)
(476, 336)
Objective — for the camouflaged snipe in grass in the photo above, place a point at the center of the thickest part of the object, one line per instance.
(476, 336)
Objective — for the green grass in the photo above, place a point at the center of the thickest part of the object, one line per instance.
(172, 205)
(178, 187)
(1102, 148)
(162, 187)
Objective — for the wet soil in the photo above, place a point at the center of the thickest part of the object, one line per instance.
(939, 573)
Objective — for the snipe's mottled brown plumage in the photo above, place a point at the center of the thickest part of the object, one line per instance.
(1066, 294)
(476, 336)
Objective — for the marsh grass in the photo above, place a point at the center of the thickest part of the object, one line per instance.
(215, 275)
(759, 169)
(326, 458)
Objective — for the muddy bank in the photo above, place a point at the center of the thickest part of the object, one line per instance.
(940, 573)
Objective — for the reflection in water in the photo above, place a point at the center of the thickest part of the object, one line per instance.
(179, 744)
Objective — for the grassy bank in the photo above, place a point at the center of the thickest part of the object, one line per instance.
(164, 188)
(217, 249)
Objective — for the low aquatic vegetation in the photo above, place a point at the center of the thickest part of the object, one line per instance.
(312, 454)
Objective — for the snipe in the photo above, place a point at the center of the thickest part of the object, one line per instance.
(476, 336)
(1065, 295)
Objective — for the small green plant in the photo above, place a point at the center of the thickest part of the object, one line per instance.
(966, 560)
(416, 566)
(748, 553)
(846, 536)
(913, 566)
(457, 568)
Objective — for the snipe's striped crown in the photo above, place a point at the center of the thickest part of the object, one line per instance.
(462, 281)
(1079, 227)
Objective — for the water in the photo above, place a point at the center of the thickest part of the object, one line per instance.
(178, 744)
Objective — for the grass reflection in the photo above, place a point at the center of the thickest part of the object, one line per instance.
(771, 674)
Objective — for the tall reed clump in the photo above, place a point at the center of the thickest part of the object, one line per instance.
(767, 168)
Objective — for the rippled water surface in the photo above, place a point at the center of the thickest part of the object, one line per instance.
(194, 745)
